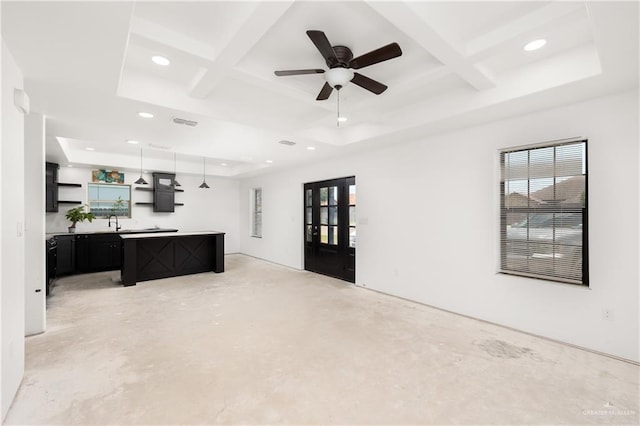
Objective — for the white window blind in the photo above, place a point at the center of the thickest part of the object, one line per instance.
(256, 212)
(543, 211)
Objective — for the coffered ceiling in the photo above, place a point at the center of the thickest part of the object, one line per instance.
(88, 68)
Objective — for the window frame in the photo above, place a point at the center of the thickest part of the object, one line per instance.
(104, 215)
(558, 209)
(256, 213)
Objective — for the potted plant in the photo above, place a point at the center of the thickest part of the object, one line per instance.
(77, 214)
(119, 207)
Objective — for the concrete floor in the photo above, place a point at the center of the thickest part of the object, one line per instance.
(264, 344)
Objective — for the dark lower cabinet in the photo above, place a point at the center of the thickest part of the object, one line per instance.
(66, 255)
(96, 253)
(151, 258)
(104, 252)
(82, 253)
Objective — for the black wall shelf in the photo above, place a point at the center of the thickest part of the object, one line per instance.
(74, 185)
(151, 204)
(146, 188)
(69, 202)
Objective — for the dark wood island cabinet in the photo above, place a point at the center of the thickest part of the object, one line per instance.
(91, 252)
(162, 255)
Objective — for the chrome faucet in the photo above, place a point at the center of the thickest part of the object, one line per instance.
(117, 226)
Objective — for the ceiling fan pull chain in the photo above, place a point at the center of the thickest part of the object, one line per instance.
(338, 117)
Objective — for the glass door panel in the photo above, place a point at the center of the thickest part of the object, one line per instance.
(329, 220)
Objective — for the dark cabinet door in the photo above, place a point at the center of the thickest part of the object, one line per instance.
(51, 187)
(104, 252)
(82, 253)
(66, 256)
(164, 202)
(163, 192)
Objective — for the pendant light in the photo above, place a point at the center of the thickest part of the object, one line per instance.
(141, 180)
(175, 182)
(204, 182)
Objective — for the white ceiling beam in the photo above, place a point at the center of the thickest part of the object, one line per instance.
(258, 22)
(411, 21)
(617, 38)
(141, 28)
(487, 44)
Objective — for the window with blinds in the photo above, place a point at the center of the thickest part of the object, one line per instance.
(256, 212)
(543, 211)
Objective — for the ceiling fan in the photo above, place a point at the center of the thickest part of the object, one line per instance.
(341, 62)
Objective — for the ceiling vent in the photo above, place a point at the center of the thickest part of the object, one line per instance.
(184, 121)
(288, 143)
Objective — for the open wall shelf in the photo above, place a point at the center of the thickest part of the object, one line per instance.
(146, 188)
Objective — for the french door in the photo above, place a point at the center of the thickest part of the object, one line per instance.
(330, 228)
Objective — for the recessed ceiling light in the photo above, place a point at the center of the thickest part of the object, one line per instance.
(69, 165)
(145, 114)
(342, 119)
(160, 60)
(132, 142)
(311, 148)
(90, 149)
(223, 164)
(269, 161)
(534, 45)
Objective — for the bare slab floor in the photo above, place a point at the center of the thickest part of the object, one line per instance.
(264, 344)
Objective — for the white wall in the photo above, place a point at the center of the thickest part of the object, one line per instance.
(428, 225)
(12, 266)
(214, 209)
(35, 290)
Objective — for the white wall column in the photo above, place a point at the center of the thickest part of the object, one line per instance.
(12, 266)
(34, 159)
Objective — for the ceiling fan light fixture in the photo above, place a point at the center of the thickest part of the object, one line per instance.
(338, 77)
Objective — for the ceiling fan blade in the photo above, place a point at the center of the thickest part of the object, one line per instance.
(322, 44)
(325, 92)
(369, 84)
(382, 54)
(298, 72)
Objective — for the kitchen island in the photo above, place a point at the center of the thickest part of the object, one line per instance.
(170, 254)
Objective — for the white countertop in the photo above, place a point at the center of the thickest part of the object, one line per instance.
(168, 234)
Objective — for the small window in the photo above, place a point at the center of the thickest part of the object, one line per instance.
(109, 199)
(256, 212)
(543, 212)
